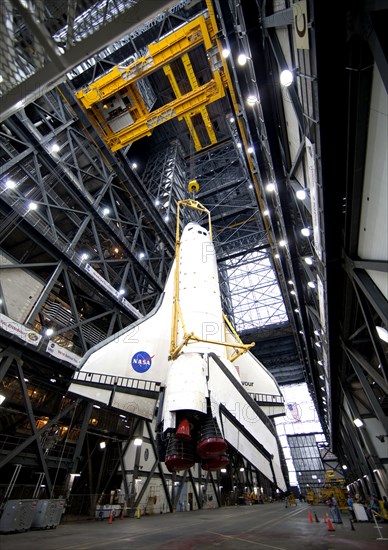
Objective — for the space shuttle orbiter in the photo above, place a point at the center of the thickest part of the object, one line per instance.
(185, 361)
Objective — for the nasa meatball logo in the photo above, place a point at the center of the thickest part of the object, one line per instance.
(141, 361)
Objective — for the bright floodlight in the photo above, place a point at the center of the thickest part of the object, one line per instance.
(305, 232)
(286, 78)
(383, 334)
(225, 53)
(358, 422)
(10, 184)
(242, 59)
(137, 441)
(55, 148)
(270, 187)
(301, 194)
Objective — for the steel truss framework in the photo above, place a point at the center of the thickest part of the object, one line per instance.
(69, 242)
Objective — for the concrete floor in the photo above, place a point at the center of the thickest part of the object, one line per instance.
(265, 527)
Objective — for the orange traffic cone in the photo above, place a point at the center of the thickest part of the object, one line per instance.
(330, 525)
(310, 517)
(110, 521)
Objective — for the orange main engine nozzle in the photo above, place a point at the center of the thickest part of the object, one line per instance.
(183, 431)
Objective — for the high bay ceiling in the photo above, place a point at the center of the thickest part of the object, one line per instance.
(109, 109)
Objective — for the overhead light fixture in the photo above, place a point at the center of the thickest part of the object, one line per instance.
(305, 232)
(137, 441)
(252, 95)
(242, 469)
(84, 257)
(286, 78)
(225, 53)
(266, 212)
(250, 150)
(293, 292)
(49, 332)
(134, 165)
(10, 184)
(232, 119)
(301, 194)
(55, 148)
(141, 255)
(32, 206)
(106, 211)
(344, 467)
(282, 243)
(122, 291)
(311, 284)
(308, 260)
(290, 282)
(242, 59)
(102, 445)
(270, 187)
(358, 422)
(383, 333)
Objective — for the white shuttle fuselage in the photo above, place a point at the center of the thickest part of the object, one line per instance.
(180, 357)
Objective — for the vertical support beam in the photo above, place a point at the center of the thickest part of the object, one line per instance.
(82, 435)
(161, 473)
(74, 310)
(31, 418)
(195, 489)
(132, 495)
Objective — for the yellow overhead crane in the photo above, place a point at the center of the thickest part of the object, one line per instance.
(115, 105)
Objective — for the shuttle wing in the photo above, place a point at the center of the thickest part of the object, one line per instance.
(127, 370)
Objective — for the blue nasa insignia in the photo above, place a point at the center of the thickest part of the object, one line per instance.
(141, 361)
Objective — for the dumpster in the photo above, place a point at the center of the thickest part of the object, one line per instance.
(17, 515)
(48, 513)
